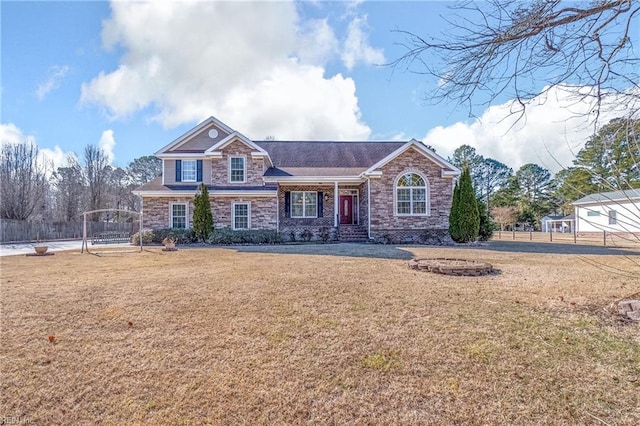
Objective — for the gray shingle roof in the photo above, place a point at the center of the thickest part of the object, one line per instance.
(323, 154)
(603, 197)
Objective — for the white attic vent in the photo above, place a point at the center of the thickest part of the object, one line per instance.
(213, 133)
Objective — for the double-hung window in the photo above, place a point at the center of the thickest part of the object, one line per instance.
(304, 204)
(189, 170)
(241, 214)
(179, 216)
(237, 170)
(411, 195)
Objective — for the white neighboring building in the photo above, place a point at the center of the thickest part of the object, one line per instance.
(562, 224)
(617, 211)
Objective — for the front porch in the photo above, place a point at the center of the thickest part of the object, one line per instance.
(338, 210)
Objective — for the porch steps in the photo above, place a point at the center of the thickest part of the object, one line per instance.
(353, 234)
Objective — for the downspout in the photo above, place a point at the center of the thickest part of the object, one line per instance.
(278, 210)
(336, 203)
(369, 207)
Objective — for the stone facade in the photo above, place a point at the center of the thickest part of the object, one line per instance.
(363, 191)
(157, 211)
(293, 228)
(220, 166)
(262, 211)
(390, 227)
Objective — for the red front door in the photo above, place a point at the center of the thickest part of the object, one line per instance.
(346, 209)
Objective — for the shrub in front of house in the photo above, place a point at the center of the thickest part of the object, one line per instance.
(464, 220)
(226, 236)
(147, 237)
(157, 236)
(202, 216)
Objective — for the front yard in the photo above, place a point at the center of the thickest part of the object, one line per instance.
(248, 336)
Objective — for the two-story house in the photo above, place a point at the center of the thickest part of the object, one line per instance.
(397, 191)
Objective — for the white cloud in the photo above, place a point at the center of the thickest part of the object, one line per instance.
(54, 78)
(316, 42)
(107, 143)
(253, 65)
(56, 157)
(12, 134)
(357, 48)
(555, 128)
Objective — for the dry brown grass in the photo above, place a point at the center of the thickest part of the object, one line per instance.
(226, 337)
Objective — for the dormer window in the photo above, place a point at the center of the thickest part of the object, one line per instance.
(237, 170)
(189, 170)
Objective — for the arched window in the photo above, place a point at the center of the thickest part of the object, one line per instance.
(412, 195)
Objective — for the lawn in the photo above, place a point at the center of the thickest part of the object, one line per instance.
(293, 335)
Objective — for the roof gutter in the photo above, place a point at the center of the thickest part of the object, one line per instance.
(217, 193)
(295, 180)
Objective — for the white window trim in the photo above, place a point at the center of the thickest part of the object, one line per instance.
(303, 205)
(427, 195)
(233, 215)
(186, 214)
(244, 172)
(195, 162)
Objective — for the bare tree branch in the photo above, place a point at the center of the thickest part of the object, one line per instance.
(520, 50)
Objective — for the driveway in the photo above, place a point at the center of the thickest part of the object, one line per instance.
(11, 249)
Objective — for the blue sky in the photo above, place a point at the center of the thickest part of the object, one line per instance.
(133, 76)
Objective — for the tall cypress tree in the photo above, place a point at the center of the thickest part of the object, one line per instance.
(453, 215)
(202, 216)
(465, 218)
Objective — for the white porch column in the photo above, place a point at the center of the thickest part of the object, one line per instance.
(336, 204)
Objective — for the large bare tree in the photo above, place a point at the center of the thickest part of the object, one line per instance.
(69, 190)
(522, 49)
(97, 170)
(23, 181)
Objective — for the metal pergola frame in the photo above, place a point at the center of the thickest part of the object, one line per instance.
(84, 225)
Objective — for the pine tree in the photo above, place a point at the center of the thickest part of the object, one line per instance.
(202, 217)
(453, 215)
(486, 223)
(464, 219)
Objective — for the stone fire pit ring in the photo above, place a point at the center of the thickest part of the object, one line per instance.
(447, 266)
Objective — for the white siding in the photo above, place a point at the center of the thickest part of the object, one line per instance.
(627, 217)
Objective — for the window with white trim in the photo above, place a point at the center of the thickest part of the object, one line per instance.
(237, 170)
(189, 170)
(411, 195)
(241, 215)
(179, 215)
(613, 217)
(304, 204)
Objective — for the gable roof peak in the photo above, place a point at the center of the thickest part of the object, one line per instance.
(194, 131)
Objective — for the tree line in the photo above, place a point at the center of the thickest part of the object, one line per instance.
(32, 189)
(609, 161)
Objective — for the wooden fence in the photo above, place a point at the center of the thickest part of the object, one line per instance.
(26, 231)
(604, 238)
